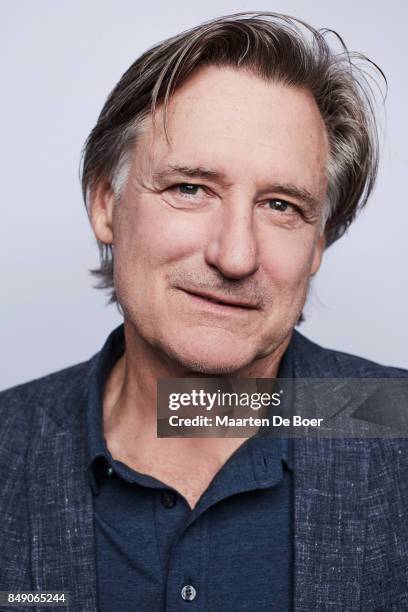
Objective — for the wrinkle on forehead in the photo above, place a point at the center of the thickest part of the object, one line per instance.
(204, 118)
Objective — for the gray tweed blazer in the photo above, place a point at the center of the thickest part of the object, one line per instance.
(350, 497)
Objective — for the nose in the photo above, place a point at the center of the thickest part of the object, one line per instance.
(232, 247)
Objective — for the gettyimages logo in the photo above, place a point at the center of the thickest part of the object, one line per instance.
(221, 407)
(221, 399)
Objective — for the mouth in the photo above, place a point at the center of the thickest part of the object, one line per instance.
(213, 300)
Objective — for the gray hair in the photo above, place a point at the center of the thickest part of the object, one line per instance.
(275, 47)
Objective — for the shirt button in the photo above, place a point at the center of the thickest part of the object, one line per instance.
(168, 499)
(188, 592)
(109, 471)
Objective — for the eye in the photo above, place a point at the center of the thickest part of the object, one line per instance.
(187, 189)
(187, 196)
(281, 205)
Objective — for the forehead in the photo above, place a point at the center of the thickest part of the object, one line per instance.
(238, 123)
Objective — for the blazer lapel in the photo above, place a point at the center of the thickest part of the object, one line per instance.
(330, 486)
(61, 507)
(330, 493)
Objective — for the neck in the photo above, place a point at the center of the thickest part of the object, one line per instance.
(130, 396)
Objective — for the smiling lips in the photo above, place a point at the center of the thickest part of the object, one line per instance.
(220, 300)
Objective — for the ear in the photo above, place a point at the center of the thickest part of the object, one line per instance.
(102, 200)
(318, 254)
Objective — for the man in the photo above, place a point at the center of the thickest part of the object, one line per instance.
(223, 163)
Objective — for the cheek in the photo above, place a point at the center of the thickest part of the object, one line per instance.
(287, 259)
(150, 234)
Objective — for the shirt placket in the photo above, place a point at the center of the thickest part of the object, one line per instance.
(187, 575)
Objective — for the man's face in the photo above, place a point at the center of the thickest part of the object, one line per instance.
(217, 231)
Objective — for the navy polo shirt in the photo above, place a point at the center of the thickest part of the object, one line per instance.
(154, 553)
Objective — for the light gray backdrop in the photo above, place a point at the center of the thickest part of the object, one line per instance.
(59, 60)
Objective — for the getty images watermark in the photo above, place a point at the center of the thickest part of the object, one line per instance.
(221, 407)
(219, 398)
(222, 399)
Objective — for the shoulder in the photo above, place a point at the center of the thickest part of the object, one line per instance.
(319, 362)
(18, 403)
(324, 362)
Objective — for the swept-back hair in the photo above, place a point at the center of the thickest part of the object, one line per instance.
(274, 47)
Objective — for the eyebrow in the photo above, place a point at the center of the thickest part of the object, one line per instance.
(190, 172)
(199, 172)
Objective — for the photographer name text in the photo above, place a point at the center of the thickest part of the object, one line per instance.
(250, 421)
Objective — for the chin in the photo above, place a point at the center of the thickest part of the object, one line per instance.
(207, 358)
(210, 367)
